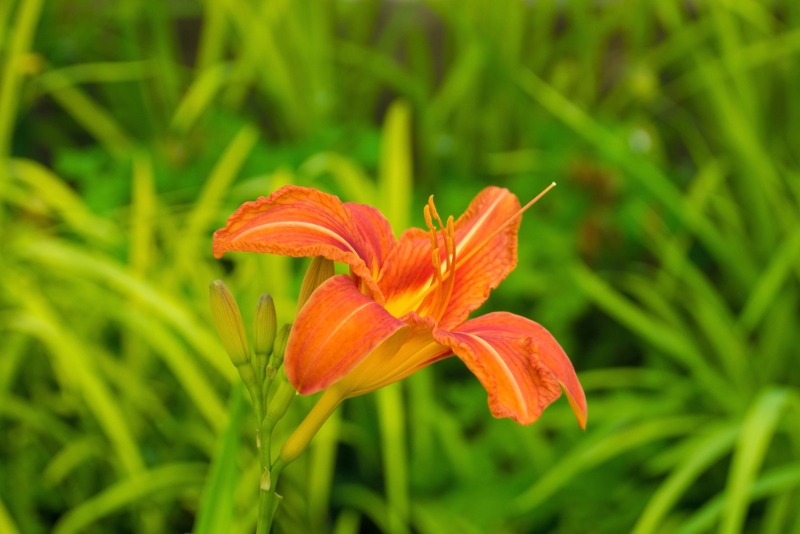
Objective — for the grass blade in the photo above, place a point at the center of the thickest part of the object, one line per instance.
(168, 481)
(757, 430)
(217, 502)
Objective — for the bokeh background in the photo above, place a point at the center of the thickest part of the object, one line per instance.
(666, 261)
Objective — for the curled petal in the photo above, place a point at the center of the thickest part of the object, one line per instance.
(336, 329)
(520, 364)
(479, 270)
(376, 230)
(299, 221)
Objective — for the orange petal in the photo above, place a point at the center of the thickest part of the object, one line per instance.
(336, 329)
(375, 230)
(405, 352)
(519, 363)
(479, 271)
(407, 271)
(300, 221)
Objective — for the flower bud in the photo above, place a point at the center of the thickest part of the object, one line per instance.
(264, 326)
(280, 403)
(228, 321)
(279, 349)
(318, 271)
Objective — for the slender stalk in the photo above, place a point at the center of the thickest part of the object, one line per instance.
(296, 444)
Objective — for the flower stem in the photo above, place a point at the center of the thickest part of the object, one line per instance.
(268, 500)
(302, 435)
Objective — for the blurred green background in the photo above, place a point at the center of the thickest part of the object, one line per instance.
(666, 261)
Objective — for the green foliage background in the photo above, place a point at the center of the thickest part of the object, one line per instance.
(667, 261)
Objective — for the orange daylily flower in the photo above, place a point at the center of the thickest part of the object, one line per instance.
(405, 303)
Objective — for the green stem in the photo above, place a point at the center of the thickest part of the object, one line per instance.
(296, 444)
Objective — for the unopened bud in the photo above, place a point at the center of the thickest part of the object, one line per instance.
(264, 326)
(318, 271)
(228, 321)
(280, 403)
(279, 349)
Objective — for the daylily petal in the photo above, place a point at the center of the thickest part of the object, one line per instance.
(300, 221)
(376, 230)
(407, 271)
(519, 363)
(336, 329)
(408, 350)
(480, 271)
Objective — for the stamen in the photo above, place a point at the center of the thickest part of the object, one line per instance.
(448, 276)
(434, 240)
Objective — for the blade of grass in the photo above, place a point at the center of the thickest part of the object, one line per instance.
(461, 77)
(140, 248)
(72, 455)
(212, 36)
(394, 186)
(706, 304)
(96, 120)
(75, 355)
(199, 96)
(641, 169)
(24, 27)
(660, 335)
(71, 259)
(395, 174)
(143, 208)
(183, 366)
(216, 510)
(205, 208)
(708, 450)
(6, 522)
(161, 39)
(37, 418)
(775, 481)
(367, 502)
(165, 482)
(350, 178)
(100, 72)
(59, 197)
(12, 355)
(779, 337)
(756, 434)
(348, 522)
(592, 452)
(322, 468)
(772, 279)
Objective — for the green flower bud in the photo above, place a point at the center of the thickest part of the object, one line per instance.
(278, 350)
(280, 403)
(318, 271)
(228, 321)
(264, 326)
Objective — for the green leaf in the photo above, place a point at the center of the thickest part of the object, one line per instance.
(169, 481)
(757, 430)
(217, 502)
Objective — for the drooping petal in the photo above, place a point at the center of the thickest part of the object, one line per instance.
(520, 364)
(300, 221)
(336, 329)
(376, 231)
(478, 271)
